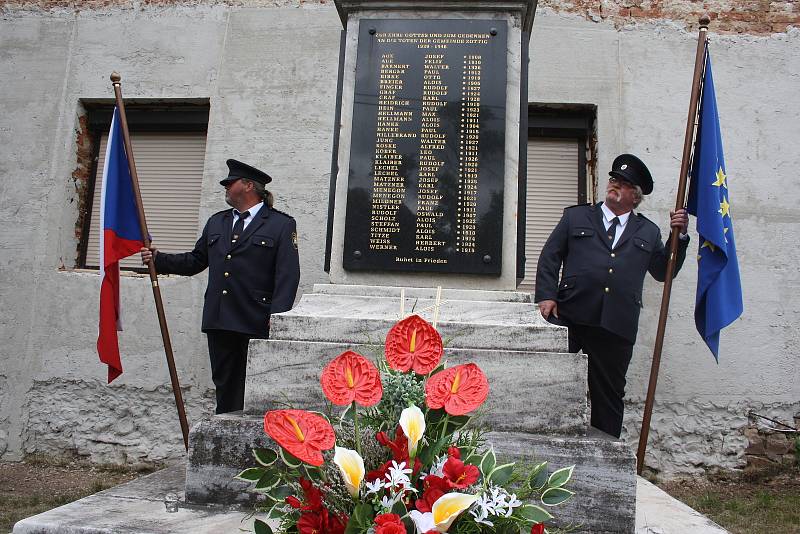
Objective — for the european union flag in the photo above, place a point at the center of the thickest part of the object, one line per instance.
(719, 290)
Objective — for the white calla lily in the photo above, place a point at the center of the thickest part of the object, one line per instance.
(412, 421)
(447, 507)
(352, 467)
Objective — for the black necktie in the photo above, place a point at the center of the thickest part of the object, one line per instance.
(238, 228)
(612, 230)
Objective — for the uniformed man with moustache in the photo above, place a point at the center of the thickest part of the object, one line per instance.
(253, 271)
(603, 252)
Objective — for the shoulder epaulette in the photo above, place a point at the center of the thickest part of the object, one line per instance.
(646, 219)
(281, 212)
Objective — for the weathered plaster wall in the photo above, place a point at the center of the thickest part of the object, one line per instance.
(269, 72)
(268, 107)
(639, 76)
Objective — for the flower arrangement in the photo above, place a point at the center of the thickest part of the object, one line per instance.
(407, 419)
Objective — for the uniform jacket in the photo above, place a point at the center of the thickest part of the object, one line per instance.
(600, 286)
(247, 280)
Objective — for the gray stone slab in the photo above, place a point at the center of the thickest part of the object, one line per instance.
(422, 292)
(657, 512)
(529, 391)
(604, 479)
(219, 449)
(137, 507)
(462, 323)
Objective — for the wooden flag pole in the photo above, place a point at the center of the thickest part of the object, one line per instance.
(162, 320)
(680, 202)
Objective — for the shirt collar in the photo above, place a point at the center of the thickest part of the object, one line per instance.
(609, 215)
(254, 209)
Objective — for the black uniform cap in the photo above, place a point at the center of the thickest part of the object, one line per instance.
(237, 169)
(631, 169)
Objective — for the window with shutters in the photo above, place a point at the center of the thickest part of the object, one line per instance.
(169, 145)
(560, 142)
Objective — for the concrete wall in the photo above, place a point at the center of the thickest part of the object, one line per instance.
(269, 72)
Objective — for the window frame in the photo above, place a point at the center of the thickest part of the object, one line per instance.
(143, 116)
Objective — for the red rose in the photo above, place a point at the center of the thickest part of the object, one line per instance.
(389, 524)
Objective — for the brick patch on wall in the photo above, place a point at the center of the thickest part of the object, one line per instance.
(755, 17)
(770, 447)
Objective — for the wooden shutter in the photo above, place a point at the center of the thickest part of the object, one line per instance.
(170, 170)
(552, 186)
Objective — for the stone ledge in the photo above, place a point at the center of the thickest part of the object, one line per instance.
(137, 507)
(604, 480)
(540, 392)
(466, 318)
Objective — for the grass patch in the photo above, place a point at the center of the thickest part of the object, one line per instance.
(41, 483)
(753, 502)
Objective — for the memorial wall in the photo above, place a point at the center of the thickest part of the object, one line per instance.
(425, 187)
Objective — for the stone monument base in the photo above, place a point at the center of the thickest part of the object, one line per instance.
(604, 478)
(537, 407)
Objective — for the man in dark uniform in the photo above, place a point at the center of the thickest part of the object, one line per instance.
(603, 252)
(253, 271)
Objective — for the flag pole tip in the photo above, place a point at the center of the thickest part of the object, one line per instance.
(705, 20)
(115, 77)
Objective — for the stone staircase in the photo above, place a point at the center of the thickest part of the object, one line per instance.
(537, 407)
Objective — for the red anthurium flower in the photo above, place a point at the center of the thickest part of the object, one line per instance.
(459, 474)
(389, 524)
(303, 434)
(458, 390)
(351, 377)
(538, 528)
(434, 487)
(414, 344)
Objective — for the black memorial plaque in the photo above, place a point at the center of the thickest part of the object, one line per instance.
(425, 189)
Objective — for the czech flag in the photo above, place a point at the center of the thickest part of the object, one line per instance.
(121, 237)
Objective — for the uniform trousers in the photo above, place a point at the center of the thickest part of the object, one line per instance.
(609, 357)
(228, 352)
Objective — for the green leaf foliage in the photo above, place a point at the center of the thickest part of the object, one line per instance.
(501, 474)
(488, 462)
(473, 459)
(265, 457)
(556, 496)
(290, 460)
(538, 477)
(251, 475)
(269, 480)
(361, 519)
(533, 513)
(261, 528)
(456, 423)
(560, 477)
(279, 493)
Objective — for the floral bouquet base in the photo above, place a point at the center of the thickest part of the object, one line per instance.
(404, 455)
